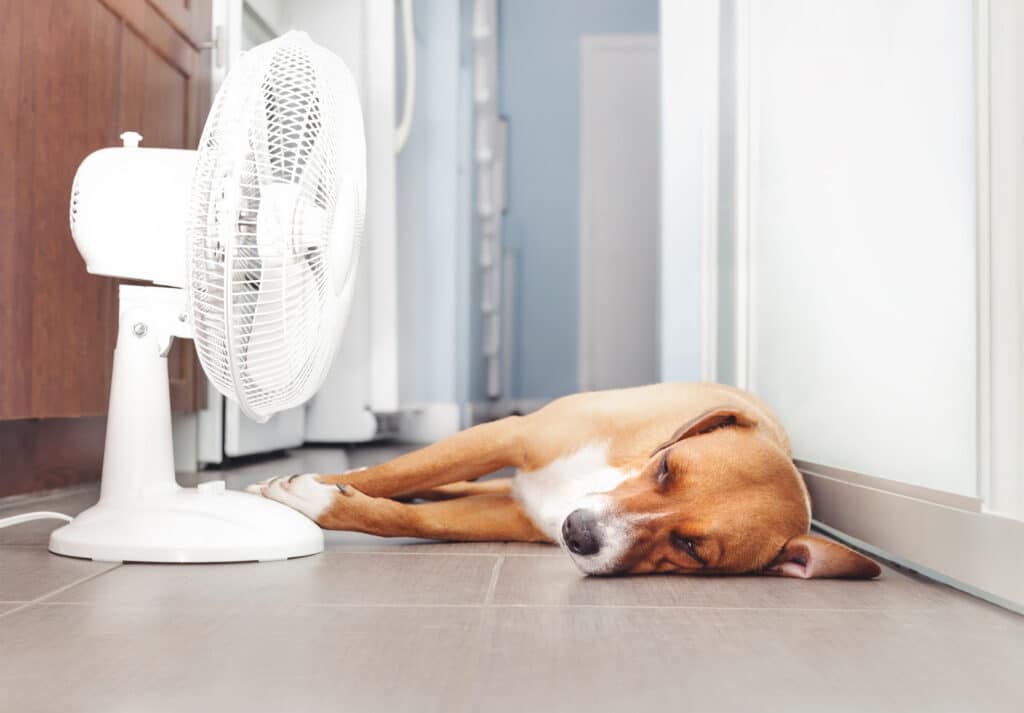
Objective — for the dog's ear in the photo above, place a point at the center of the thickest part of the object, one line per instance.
(813, 557)
(709, 421)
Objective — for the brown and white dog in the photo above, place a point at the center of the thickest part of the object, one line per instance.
(690, 478)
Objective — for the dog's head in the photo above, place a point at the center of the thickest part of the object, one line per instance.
(719, 497)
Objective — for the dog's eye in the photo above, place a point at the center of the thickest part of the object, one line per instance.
(687, 545)
(663, 474)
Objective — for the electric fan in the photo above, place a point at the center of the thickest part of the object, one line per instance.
(257, 237)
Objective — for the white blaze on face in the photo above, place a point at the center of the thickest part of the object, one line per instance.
(615, 531)
(580, 479)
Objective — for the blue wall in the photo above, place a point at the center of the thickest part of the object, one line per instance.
(539, 95)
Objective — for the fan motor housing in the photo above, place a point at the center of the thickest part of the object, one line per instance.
(128, 212)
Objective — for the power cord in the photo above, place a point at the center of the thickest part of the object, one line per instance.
(29, 516)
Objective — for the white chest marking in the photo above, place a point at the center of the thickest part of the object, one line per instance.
(550, 493)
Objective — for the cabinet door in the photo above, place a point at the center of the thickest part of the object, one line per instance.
(57, 323)
(75, 75)
(165, 97)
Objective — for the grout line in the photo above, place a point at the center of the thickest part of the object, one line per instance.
(331, 551)
(22, 545)
(26, 500)
(42, 599)
(493, 584)
(470, 605)
(433, 553)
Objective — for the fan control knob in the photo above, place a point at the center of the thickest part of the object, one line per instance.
(131, 139)
(212, 487)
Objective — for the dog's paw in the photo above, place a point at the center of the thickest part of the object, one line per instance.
(303, 492)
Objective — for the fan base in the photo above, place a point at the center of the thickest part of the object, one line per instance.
(205, 524)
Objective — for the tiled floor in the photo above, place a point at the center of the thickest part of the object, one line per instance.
(376, 625)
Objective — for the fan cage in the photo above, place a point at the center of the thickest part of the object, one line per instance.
(276, 224)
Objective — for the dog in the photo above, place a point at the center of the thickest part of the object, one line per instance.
(683, 478)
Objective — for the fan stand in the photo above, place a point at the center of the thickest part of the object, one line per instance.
(143, 515)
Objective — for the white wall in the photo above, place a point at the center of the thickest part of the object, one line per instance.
(429, 175)
(539, 94)
(861, 230)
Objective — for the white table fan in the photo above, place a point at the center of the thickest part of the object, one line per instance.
(256, 237)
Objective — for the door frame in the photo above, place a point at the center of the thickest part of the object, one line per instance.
(590, 45)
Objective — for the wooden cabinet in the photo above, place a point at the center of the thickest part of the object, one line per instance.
(76, 73)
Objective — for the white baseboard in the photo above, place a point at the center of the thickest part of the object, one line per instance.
(977, 552)
(483, 411)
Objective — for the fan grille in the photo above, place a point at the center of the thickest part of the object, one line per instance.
(276, 223)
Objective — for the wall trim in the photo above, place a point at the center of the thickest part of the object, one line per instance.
(982, 74)
(999, 62)
(710, 49)
(977, 552)
(746, 165)
(939, 497)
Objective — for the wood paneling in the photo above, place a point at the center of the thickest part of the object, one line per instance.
(56, 319)
(50, 453)
(75, 74)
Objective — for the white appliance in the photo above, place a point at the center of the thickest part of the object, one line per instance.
(257, 235)
(364, 379)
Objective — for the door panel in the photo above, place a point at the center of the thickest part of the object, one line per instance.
(75, 75)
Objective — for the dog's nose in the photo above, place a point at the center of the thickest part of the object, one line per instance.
(579, 534)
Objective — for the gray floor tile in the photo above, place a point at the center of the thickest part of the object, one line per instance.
(334, 578)
(302, 659)
(608, 659)
(358, 542)
(557, 582)
(400, 624)
(38, 532)
(29, 572)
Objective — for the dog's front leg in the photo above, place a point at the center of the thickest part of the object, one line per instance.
(468, 454)
(480, 518)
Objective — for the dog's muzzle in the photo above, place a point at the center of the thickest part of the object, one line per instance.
(579, 532)
(597, 537)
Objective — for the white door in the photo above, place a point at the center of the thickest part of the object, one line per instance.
(619, 174)
(857, 219)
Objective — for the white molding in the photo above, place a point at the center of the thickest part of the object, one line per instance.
(746, 17)
(709, 101)
(381, 213)
(982, 75)
(1000, 113)
(977, 552)
(939, 497)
